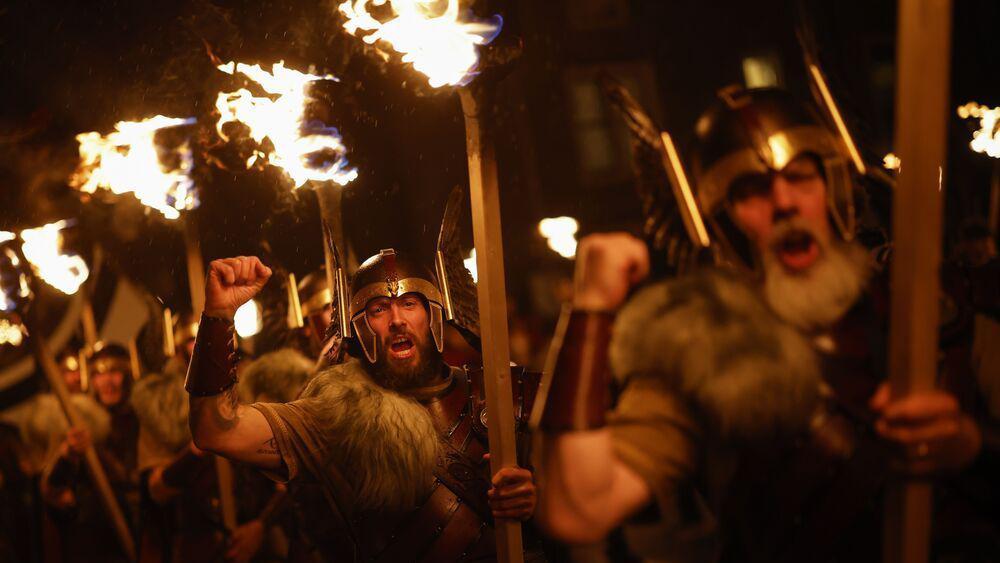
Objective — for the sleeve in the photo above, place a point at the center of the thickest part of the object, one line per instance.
(657, 436)
(299, 441)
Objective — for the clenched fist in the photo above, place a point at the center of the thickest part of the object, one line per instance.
(231, 283)
(607, 266)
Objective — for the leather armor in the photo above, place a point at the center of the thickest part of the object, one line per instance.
(454, 522)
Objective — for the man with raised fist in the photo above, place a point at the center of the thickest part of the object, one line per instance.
(385, 452)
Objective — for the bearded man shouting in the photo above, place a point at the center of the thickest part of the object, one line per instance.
(386, 451)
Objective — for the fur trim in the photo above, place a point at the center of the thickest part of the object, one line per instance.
(161, 404)
(711, 338)
(45, 425)
(385, 443)
(280, 375)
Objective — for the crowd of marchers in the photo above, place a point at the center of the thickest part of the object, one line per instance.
(738, 411)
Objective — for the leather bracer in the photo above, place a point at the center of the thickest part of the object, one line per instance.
(213, 363)
(578, 393)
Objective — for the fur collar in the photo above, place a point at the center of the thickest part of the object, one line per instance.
(385, 443)
(161, 405)
(278, 375)
(711, 338)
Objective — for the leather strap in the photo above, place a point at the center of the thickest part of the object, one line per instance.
(578, 394)
(213, 363)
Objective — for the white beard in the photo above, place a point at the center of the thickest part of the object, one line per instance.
(815, 299)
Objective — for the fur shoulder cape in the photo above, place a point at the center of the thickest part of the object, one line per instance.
(161, 404)
(710, 338)
(45, 424)
(384, 442)
(279, 375)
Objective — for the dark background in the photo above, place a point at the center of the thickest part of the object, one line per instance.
(72, 67)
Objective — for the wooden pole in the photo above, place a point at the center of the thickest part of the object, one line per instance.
(43, 355)
(491, 287)
(923, 58)
(196, 284)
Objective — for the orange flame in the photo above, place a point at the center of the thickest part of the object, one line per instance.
(128, 161)
(987, 139)
(437, 42)
(11, 333)
(43, 249)
(560, 232)
(20, 288)
(304, 150)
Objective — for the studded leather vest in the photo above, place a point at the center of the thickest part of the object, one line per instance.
(454, 523)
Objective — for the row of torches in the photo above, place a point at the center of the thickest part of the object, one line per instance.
(441, 44)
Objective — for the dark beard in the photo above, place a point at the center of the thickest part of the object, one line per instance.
(400, 378)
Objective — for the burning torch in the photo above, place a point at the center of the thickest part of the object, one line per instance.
(129, 160)
(307, 151)
(41, 248)
(443, 46)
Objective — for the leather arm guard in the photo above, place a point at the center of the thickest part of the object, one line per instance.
(213, 363)
(578, 393)
(182, 471)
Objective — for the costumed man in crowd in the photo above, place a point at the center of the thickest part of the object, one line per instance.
(754, 421)
(385, 450)
(71, 369)
(317, 309)
(181, 517)
(82, 529)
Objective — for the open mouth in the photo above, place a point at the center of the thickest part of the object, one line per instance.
(401, 347)
(797, 250)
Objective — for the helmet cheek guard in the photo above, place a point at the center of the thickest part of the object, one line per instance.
(370, 342)
(366, 337)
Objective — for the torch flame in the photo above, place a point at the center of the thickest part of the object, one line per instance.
(11, 333)
(987, 139)
(305, 150)
(20, 287)
(470, 264)
(128, 161)
(438, 43)
(42, 247)
(561, 234)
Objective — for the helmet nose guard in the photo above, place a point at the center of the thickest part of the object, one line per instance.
(759, 131)
(388, 274)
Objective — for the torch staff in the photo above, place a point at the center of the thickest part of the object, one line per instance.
(196, 284)
(921, 99)
(491, 288)
(43, 355)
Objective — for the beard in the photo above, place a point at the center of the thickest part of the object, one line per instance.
(815, 298)
(415, 372)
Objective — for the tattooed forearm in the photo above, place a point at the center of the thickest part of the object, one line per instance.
(227, 410)
(269, 447)
(218, 413)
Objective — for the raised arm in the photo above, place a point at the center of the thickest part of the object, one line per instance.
(585, 491)
(219, 423)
